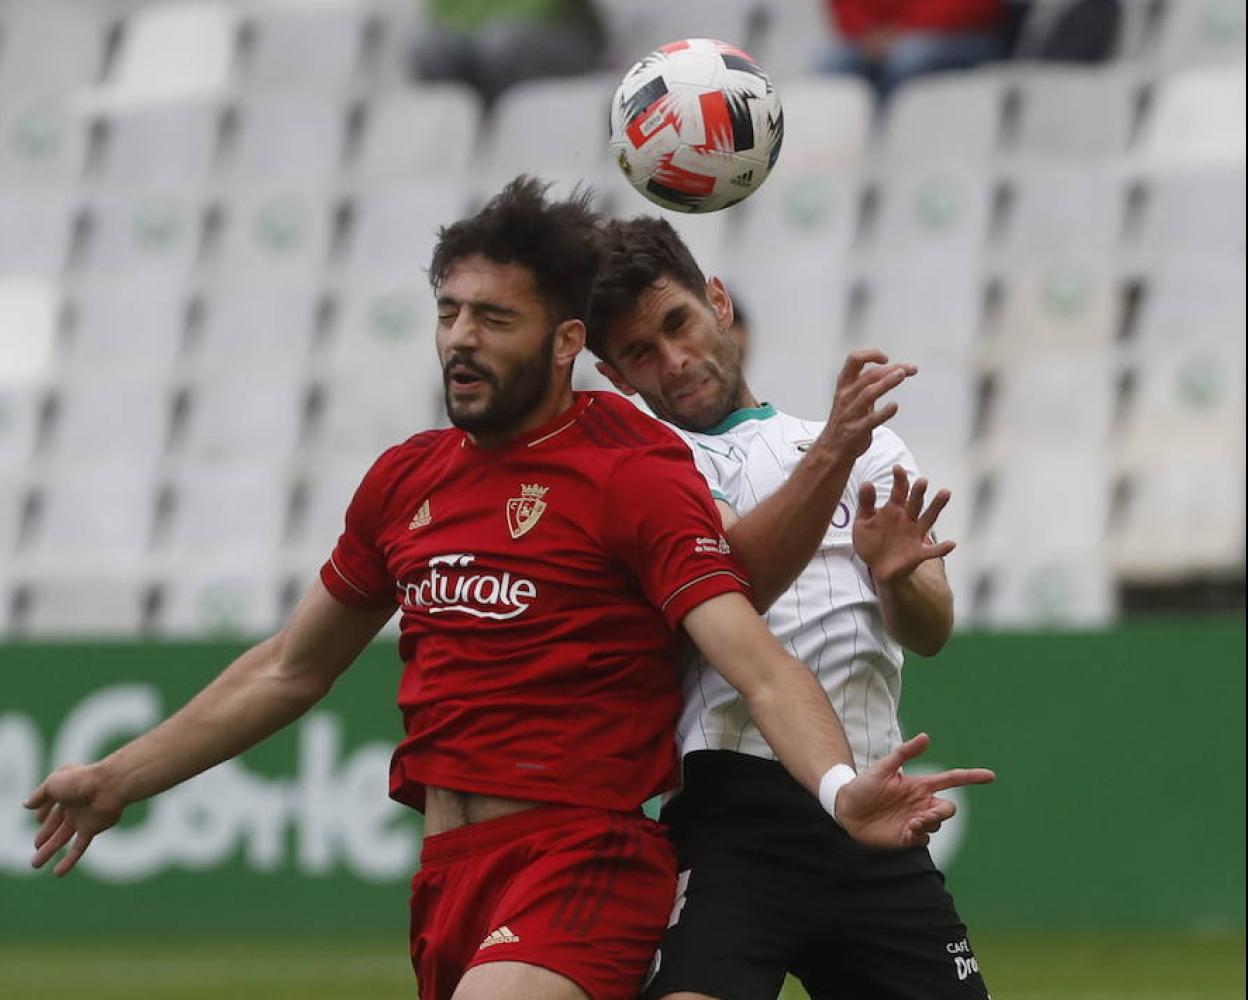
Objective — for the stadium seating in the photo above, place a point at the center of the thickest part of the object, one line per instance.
(43, 142)
(29, 316)
(215, 221)
(1074, 113)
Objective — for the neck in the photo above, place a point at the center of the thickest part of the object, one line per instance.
(746, 399)
(543, 413)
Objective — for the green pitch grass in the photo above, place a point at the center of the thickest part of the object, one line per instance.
(1090, 967)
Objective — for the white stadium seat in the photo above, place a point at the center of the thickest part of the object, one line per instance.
(1193, 301)
(305, 47)
(13, 493)
(53, 46)
(1062, 209)
(827, 122)
(43, 142)
(102, 604)
(1046, 503)
(1048, 401)
(1198, 119)
(20, 410)
(1202, 32)
(94, 516)
(125, 416)
(1194, 211)
(227, 518)
(394, 232)
(329, 492)
(813, 210)
(225, 604)
(36, 233)
(931, 315)
(1069, 112)
(244, 415)
(938, 211)
(295, 138)
(29, 318)
(276, 234)
(641, 26)
(1069, 593)
(554, 129)
(367, 411)
(125, 321)
(412, 136)
(155, 234)
(161, 147)
(954, 115)
(173, 51)
(1063, 305)
(797, 306)
(936, 418)
(1184, 517)
(385, 325)
(261, 324)
(1188, 400)
(793, 37)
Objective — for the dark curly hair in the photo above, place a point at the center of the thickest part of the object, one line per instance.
(558, 241)
(637, 253)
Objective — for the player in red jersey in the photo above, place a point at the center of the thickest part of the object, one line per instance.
(544, 554)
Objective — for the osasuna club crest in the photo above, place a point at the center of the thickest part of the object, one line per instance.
(524, 511)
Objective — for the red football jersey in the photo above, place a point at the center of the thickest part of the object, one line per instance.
(541, 585)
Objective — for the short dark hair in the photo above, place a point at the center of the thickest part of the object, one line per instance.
(558, 241)
(638, 252)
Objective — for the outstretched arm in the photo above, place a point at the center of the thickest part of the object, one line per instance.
(896, 543)
(880, 807)
(266, 688)
(775, 540)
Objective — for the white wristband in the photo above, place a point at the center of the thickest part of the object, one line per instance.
(831, 783)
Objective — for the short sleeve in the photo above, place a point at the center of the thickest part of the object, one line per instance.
(660, 521)
(356, 572)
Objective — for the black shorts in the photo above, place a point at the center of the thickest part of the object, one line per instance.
(769, 884)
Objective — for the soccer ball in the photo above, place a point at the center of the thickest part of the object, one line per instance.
(696, 126)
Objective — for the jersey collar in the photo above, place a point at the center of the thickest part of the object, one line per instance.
(762, 412)
(539, 435)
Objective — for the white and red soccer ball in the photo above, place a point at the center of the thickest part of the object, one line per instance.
(696, 126)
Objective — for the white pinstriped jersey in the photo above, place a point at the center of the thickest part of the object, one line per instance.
(829, 618)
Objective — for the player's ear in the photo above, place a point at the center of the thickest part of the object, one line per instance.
(721, 302)
(569, 342)
(609, 372)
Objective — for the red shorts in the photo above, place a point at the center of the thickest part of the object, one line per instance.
(583, 892)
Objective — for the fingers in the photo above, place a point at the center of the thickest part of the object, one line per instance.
(50, 824)
(958, 777)
(901, 486)
(895, 759)
(59, 838)
(878, 417)
(866, 501)
(914, 502)
(939, 550)
(38, 798)
(75, 852)
(927, 520)
(855, 361)
(875, 383)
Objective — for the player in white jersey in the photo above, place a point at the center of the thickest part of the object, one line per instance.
(769, 883)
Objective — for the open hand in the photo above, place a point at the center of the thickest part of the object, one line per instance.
(847, 434)
(73, 803)
(897, 537)
(884, 808)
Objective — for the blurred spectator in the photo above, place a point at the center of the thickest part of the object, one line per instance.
(1074, 31)
(492, 44)
(890, 41)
